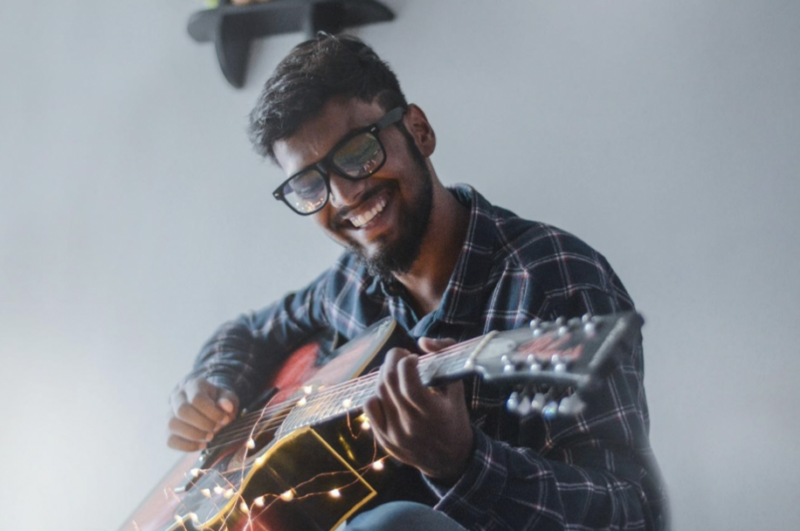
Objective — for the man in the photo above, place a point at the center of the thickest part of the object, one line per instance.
(448, 265)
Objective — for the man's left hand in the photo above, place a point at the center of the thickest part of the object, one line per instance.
(427, 428)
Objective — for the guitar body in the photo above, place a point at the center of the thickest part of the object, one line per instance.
(313, 478)
(307, 461)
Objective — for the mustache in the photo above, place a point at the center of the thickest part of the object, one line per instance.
(344, 213)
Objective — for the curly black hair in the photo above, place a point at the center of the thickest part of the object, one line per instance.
(314, 72)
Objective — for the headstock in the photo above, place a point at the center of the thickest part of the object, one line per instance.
(552, 364)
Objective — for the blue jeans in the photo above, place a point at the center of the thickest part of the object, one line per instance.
(403, 516)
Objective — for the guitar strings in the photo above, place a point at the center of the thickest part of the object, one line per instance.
(448, 352)
(442, 355)
(260, 422)
(271, 422)
(267, 424)
(273, 416)
(355, 386)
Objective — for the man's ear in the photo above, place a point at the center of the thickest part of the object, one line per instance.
(417, 124)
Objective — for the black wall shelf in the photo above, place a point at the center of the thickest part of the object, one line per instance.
(232, 28)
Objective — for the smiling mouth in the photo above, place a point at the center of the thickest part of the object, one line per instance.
(363, 219)
(374, 207)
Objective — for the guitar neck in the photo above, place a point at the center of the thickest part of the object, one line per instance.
(564, 356)
(434, 369)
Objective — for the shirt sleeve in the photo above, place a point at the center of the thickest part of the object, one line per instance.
(588, 472)
(242, 352)
(516, 488)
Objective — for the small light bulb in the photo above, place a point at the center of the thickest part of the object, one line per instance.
(347, 402)
(245, 509)
(259, 502)
(251, 443)
(195, 472)
(194, 518)
(229, 493)
(335, 493)
(218, 490)
(307, 389)
(365, 425)
(261, 460)
(206, 493)
(287, 496)
(302, 402)
(378, 465)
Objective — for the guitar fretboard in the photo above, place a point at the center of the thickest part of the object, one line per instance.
(351, 396)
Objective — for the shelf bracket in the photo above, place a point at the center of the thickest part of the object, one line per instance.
(232, 28)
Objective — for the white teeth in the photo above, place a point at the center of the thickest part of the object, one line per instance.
(366, 217)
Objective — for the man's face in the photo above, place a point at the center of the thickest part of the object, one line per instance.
(382, 218)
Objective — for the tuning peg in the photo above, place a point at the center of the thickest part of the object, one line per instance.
(512, 404)
(564, 405)
(562, 331)
(585, 318)
(560, 321)
(550, 410)
(589, 329)
(571, 405)
(533, 365)
(538, 402)
(535, 323)
(558, 364)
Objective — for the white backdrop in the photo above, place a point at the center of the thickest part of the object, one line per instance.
(134, 218)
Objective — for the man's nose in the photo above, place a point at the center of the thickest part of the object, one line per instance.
(345, 192)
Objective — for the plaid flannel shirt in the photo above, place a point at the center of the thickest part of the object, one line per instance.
(595, 471)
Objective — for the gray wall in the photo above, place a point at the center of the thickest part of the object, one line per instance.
(134, 218)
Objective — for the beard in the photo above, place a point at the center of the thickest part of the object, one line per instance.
(397, 256)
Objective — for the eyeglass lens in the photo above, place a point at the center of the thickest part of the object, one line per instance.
(358, 158)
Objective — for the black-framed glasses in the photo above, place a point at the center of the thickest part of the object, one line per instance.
(357, 156)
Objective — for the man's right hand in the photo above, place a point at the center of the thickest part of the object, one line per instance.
(199, 410)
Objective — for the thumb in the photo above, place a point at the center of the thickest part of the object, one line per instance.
(228, 402)
(429, 344)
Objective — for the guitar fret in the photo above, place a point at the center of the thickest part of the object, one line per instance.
(331, 403)
(352, 395)
(318, 412)
(452, 366)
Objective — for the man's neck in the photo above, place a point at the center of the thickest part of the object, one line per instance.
(439, 251)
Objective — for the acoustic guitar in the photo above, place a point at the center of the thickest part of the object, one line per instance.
(305, 460)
